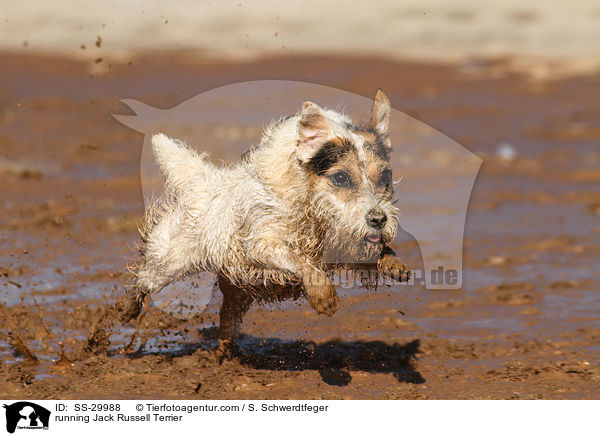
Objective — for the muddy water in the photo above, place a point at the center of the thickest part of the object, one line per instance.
(525, 325)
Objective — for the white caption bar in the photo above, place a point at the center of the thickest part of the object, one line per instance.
(299, 417)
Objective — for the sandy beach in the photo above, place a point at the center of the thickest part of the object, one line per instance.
(545, 38)
(525, 324)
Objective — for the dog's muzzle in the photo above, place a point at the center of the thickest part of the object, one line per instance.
(376, 218)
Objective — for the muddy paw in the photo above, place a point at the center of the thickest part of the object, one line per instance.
(322, 298)
(393, 267)
(227, 350)
(130, 306)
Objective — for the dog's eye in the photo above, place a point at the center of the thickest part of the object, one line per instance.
(341, 179)
(386, 178)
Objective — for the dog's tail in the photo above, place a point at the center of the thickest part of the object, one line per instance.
(176, 160)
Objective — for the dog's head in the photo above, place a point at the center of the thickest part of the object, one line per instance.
(350, 176)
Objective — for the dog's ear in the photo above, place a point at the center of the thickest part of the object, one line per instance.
(380, 117)
(313, 131)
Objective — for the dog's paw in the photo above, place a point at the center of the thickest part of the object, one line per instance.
(323, 298)
(393, 267)
(227, 350)
(130, 306)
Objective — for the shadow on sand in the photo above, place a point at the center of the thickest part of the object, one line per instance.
(333, 359)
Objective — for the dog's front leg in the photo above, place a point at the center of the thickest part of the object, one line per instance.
(319, 291)
(390, 265)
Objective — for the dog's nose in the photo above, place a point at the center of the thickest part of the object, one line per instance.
(376, 218)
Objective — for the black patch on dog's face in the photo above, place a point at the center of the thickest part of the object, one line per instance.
(379, 148)
(328, 155)
(373, 140)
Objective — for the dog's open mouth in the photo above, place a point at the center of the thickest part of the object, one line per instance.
(374, 239)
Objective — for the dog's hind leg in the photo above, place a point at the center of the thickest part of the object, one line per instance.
(125, 309)
(129, 307)
(236, 303)
(165, 261)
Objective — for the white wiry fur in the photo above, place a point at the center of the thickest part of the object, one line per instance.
(263, 220)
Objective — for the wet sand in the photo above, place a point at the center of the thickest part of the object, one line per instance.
(525, 325)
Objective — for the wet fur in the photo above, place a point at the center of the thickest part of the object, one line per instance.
(264, 224)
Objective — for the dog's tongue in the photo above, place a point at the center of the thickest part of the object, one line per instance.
(374, 239)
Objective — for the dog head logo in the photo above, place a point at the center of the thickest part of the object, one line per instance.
(26, 415)
(433, 175)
